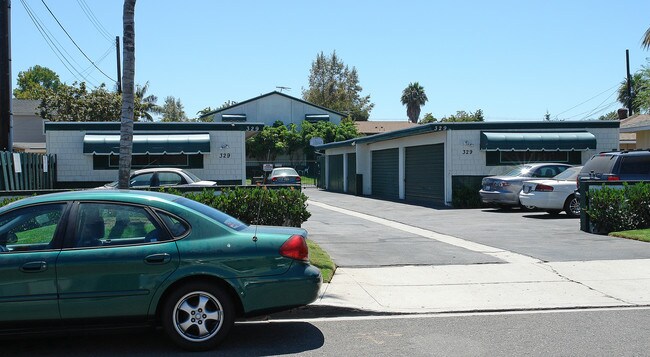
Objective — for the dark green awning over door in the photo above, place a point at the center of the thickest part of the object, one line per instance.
(538, 141)
(102, 144)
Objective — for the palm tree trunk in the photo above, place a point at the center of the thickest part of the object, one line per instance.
(128, 77)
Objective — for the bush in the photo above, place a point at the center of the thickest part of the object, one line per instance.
(278, 207)
(614, 209)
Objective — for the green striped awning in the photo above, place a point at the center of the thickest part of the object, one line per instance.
(102, 144)
(538, 141)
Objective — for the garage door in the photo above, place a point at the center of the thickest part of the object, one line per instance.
(352, 174)
(335, 182)
(425, 173)
(385, 173)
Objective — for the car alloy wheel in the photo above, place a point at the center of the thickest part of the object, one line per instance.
(198, 316)
(572, 206)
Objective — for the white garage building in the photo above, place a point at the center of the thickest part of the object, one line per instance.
(432, 163)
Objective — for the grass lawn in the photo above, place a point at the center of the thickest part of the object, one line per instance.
(638, 234)
(320, 259)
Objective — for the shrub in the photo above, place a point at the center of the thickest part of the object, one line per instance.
(278, 207)
(615, 209)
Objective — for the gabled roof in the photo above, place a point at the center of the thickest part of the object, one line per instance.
(376, 127)
(635, 123)
(270, 94)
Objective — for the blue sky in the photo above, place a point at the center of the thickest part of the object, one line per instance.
(515, 60)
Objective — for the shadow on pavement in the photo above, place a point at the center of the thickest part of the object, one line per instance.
(245, 339)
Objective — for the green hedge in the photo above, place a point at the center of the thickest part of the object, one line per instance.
(278, 207)
(620, 209)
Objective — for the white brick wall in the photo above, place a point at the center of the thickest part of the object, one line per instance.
(226, 160)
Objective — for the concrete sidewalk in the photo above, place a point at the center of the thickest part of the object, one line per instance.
(511, 281)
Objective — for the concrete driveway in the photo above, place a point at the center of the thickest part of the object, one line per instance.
(356, 242)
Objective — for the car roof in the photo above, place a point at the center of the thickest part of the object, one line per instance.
(156, 169)
(631, 152)
(128, 196)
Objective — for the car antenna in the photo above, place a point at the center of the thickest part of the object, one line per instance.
(259, 211)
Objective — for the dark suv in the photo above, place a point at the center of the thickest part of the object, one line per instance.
(617, 165)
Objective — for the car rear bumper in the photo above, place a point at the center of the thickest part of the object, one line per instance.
(543, 201)
(299, 286)
(499, 197)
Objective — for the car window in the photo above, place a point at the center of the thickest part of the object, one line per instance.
(107, 224)
(170, 179)
(569, 174)
(599, 164)
(175, 225)
(30, 228)
(284, 171)
(635, 165)
(142, 180)
(519, 171)
(213, 213)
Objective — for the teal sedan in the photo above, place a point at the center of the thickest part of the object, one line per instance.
(125, 258)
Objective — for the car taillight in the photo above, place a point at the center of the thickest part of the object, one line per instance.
(295, 248)
(613, 178)
(298, 179)
(543, 188)
(274, 179)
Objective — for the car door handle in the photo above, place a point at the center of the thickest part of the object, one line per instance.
(161, 258)
(34, 267)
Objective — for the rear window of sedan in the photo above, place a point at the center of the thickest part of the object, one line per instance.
(284, 172)
(215, 214)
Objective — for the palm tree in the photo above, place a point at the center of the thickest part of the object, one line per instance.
(145, 104)
(413, 97)
(126, 127)
(638, 85)
(645, 43)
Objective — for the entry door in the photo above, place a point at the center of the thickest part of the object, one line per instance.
(335, 173)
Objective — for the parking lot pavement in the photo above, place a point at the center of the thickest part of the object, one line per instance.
(398, 258)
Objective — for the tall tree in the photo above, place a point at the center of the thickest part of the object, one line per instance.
(333, 85)
(645, 43)
(463, 116)
(34, 81)
(172, 110)
(147, 103)
(414, 98)
(640, 83)
(126, 127)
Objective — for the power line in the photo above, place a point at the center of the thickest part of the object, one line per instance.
(48, 37)
(70, 37)
(577, 105)
(94, 20)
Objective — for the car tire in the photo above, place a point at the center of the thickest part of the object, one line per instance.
(527, 208)
(572, 206)
(553, 212)
(197, 316)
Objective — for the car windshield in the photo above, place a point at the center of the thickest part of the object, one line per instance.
(569, 174)
(519, 171)
(192, 176)
(215, 214)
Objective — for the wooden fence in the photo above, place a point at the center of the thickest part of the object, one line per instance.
(26, 171)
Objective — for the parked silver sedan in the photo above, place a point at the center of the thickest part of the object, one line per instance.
(162, 177)
(503, 190)
(554, 195)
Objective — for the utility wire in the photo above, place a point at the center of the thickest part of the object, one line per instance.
(52, 44)
(79, 48)
(95, 21)
(599, 94)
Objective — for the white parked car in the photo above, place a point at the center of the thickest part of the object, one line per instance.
(162, 177)
(553, 195)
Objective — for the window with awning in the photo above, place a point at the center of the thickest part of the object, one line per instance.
(537, 141)
(104, 144)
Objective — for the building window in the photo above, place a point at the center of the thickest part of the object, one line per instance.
(112, 162)
(497, 158)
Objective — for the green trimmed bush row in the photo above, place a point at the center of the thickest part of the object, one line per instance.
(277, 207)
(620, 209)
